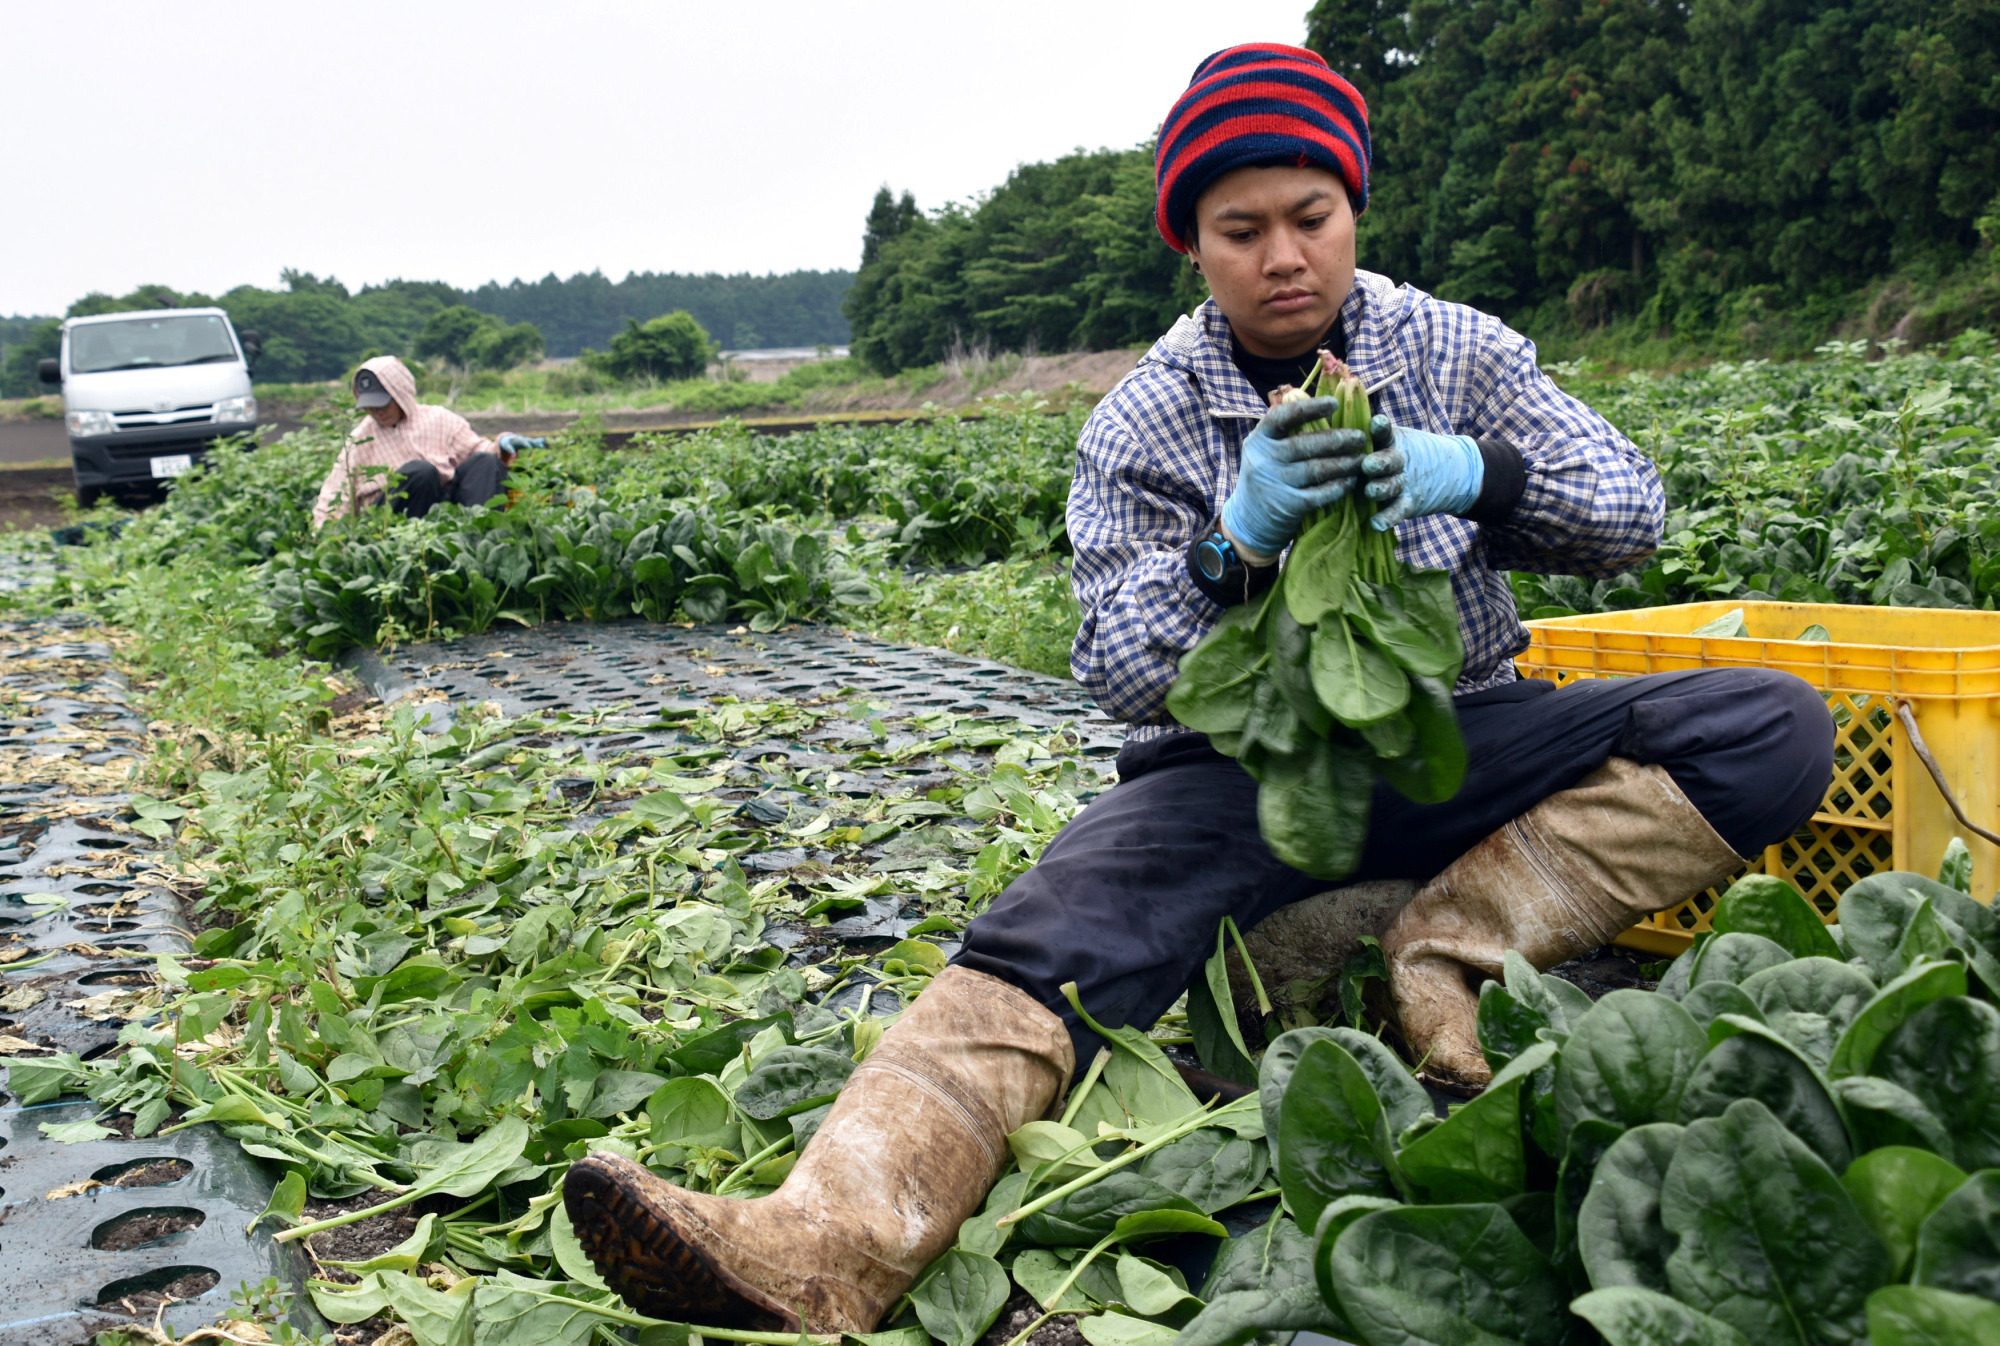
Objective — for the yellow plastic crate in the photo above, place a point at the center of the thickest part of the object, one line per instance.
(1882, 810)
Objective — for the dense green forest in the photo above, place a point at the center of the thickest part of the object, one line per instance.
(315, 328)
(1720, 170)
(800, 308)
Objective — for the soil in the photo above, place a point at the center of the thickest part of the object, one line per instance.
(1022, 1310)
(1607, 969)
(363, 1239)
(146, 1226)
(146, 1173)
(349, 701)
(200, 922)
(195, 1282)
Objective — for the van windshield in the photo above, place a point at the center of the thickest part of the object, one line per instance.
(149, 343)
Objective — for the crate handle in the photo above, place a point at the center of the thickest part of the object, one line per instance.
(1937, 773)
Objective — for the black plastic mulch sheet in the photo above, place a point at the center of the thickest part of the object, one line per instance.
(94, 1234)
(642, 674)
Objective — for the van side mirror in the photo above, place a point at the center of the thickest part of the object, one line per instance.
(253, 345)
(49, 371)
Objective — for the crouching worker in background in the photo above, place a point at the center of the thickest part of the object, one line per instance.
(415, 455)
(1583, 807)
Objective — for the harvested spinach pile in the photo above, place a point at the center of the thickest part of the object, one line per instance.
(1342, 670)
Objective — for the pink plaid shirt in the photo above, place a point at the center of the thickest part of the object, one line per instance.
(434, 434)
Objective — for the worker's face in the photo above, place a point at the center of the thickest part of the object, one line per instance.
(1276, 246)
(386, 416)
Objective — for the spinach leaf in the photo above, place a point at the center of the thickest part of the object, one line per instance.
(1403, 1099)
(1627, 1061)
(1896, 1189)
(1854, 1053)
(1312, 807)
(1619, 1229)
(792, 1079)
(1478, 1153)
(1629, 1316)
(1427, 650)
(1948, 1055)
(1735, 957)
(1333, 1138)
(1810, 1002)
(1274, 1073)
(1218, 677)
(1958, 1247)
(1763, 904)
(1770, 1242)
(1433, 771)
(692, 1109)
(960, 1296)
(1089, 1213)
(1755, 1063)
(1447, 1276)
(1712, 999)
(1355, 680)
(1211, 1010)
(1139, 1084)
(1588, 1144)
(1320, 568)
(1212, 1168)
(1291, 647)
(1881, 1113)
(1917, 1315)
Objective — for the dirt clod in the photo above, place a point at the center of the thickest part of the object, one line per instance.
(1022, 1310)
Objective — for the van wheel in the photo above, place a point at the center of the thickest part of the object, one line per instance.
(86, 496)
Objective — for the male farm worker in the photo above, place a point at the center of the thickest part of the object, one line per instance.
(431, 453)
(1583, 809)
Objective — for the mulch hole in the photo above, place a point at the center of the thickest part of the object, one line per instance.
(143, 1294)
(143, 1173)
(140, 1228)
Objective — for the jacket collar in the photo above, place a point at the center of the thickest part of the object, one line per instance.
(1199, 344)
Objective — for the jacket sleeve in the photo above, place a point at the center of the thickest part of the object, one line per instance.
(1134, 507)
(1593, 504)
(466, 441)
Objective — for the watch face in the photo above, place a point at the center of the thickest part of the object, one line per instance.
(1209, 556)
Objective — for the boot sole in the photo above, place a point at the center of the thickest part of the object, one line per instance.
(642, 1255)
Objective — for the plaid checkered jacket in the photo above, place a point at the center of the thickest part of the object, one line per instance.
(1160, 454)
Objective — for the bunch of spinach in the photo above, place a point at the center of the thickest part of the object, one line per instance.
(1795, 1139)
(1343, 670)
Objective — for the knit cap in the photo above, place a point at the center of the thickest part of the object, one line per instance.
(1260, 103)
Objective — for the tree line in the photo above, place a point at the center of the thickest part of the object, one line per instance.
(315, 328)
(1694, 164)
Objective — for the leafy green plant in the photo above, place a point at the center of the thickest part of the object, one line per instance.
(1777, 1145)
(1343, 669)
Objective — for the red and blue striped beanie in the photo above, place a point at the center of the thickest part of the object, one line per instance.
(1260, 103)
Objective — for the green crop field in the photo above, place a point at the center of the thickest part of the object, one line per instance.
(420, 983)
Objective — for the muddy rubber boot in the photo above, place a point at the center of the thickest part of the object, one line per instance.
(914, 1142)
(1300, 949)
(1574, 871)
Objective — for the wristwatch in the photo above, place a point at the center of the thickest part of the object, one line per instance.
(1219, 570)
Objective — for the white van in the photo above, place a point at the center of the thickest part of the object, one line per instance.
(145, 394)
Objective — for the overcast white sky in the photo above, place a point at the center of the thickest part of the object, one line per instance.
(205, 144)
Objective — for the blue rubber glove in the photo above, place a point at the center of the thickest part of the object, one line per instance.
(513, 443)
(1415, 472)
(1287, 474)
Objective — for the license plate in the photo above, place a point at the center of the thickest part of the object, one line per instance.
(173, 464)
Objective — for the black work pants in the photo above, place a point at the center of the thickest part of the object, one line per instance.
(1126, 900)
(417, 486)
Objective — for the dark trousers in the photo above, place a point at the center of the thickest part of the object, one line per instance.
(478, 479)
(1126, 900)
